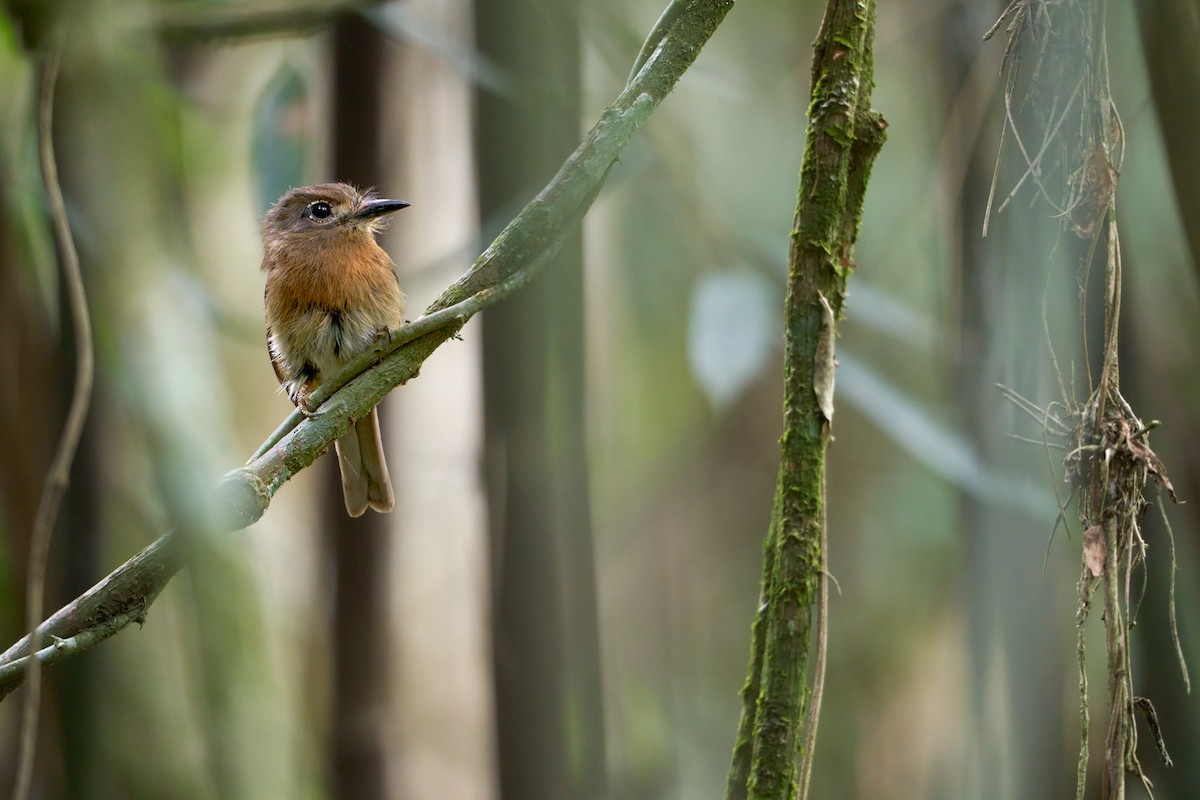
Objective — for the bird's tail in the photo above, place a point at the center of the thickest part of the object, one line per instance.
(365, 480)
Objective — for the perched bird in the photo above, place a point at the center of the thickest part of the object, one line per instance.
(331, 292)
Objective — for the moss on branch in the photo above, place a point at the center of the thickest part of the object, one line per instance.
(843, 138)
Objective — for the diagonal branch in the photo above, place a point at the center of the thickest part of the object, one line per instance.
(521, 249)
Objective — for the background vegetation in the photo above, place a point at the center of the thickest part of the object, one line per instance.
(305, 658)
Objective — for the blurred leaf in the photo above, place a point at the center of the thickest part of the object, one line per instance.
(731, 332)
(947, 452)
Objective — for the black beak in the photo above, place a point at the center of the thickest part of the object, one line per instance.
(377, 208)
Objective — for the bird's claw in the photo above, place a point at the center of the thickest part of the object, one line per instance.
(300, 398)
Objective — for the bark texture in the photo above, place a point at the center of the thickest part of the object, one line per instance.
(843, 138)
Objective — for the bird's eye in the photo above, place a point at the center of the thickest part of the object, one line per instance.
(320, 210)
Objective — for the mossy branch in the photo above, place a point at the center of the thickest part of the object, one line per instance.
(520, 250)
(843, 138)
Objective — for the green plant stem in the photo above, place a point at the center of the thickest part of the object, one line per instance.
(843, 138)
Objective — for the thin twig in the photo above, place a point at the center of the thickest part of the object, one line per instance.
(1039, 442)
(120, 598)
(1183, 668)
(1061, 516)
(991, 198)
(1032, 168)
(1012, 8)
(1058, 374)
(59, 473)
(665, 21)
(59, 648)
(1084, 281)
(1043, 416)
(821, 657)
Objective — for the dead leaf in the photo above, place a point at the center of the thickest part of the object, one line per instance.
(823, 362)
(1094, 550)
(1098, 179)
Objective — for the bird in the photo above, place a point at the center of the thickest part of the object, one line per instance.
(331, 292)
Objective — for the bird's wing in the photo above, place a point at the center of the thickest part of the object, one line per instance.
(275, 357)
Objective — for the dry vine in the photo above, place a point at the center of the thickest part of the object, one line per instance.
(1056, 74)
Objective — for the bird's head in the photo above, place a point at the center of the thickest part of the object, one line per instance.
(315, 213)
